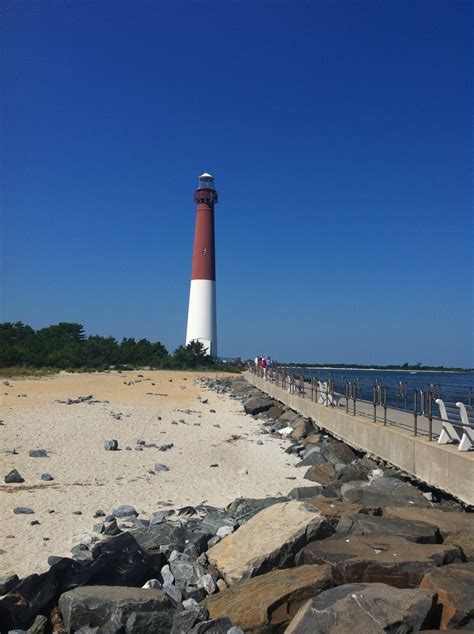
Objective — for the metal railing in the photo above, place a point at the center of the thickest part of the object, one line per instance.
(413, 409)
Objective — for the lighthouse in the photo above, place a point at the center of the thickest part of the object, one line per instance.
(202, 295)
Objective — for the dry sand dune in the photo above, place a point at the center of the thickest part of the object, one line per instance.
(88, 478)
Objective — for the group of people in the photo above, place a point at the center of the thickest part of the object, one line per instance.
(263, 362)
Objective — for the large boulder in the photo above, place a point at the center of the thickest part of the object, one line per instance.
(453, 584)
(384, 492)
(378, 558)
(266, 603)
(334, 507)
(362, 524)
(456, 528)
(370, 608)
(322, 474)
(268, 540)
(93, 606)
(161, 538)
(258, 404)
(339, 452)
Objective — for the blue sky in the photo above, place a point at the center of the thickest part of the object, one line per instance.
(340, 137)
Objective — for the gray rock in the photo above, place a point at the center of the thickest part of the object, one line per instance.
(217, 626)
(111, 528)
(173, 591)
(7, 583)
(166, 446)
(152, 583)
(82, 553)
(160, 517)
(384, 492)
(23, 510)
(215, 520)
(208, 583)
(418, 532)
(313, 457)
(242, 509)
(185, 620)
(161, 538)
(258, 404)
(302, 493)
(38, 453)
(95, 605)
(213, 541)
(364, 607)
(235, 630)
(39, 625)
(47, 477)
(144, 622)
(161, 467)
(124, 511)
(13, 477)
(111, 445)
(185, 571)
(167, 575)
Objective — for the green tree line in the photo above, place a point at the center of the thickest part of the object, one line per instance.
(66, 346)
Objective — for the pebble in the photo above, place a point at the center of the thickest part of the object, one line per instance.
(124, 511)
(47, 477)
(23, 510)
(161, 467)
(38, 453)
(166, 446)
(111, 445)
(99, 513)
(13, 477)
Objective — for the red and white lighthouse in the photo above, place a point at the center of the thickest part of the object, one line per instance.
(202, 295)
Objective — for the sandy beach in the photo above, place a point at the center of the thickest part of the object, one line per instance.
(158, 407)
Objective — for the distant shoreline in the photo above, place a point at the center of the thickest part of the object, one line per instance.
(328, 367)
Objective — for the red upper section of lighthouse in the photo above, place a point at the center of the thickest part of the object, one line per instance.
(204, 261)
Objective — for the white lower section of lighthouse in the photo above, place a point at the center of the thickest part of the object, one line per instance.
(202, 315)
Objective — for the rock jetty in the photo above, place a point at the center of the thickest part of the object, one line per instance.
(360, 549)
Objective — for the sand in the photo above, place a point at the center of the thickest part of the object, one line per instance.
(88, 478)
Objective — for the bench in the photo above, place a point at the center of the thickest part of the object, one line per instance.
(467, 418)
(458, 424)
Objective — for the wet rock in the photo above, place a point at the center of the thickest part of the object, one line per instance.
(258, 404)
(384, 492)
(268, 540)
(38, 453)
(23, 510)
(13, 477)
(378, 558)
(95, 605)
(419, 532)
(364, 607)
(453, 584)
(111, 445)
(266, 603)
(7, 583)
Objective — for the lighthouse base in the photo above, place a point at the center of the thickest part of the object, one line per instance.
(202, 315)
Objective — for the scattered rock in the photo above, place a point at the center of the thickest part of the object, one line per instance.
(364, 607)
(268, 540)
(303, 493)
(161, 467)
(111, 445)
(269, 601)
(38, 453)
(166, 446)
(47, 477)
(13, 477)
(23, 510)
(323, 474)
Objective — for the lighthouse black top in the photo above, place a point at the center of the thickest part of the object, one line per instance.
(204, 262)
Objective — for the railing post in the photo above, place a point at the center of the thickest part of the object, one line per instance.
(347, 396)
(355, 399)
(374, 397)
(469, 396)
(430, 415)
(415, 413)
(385, 405)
